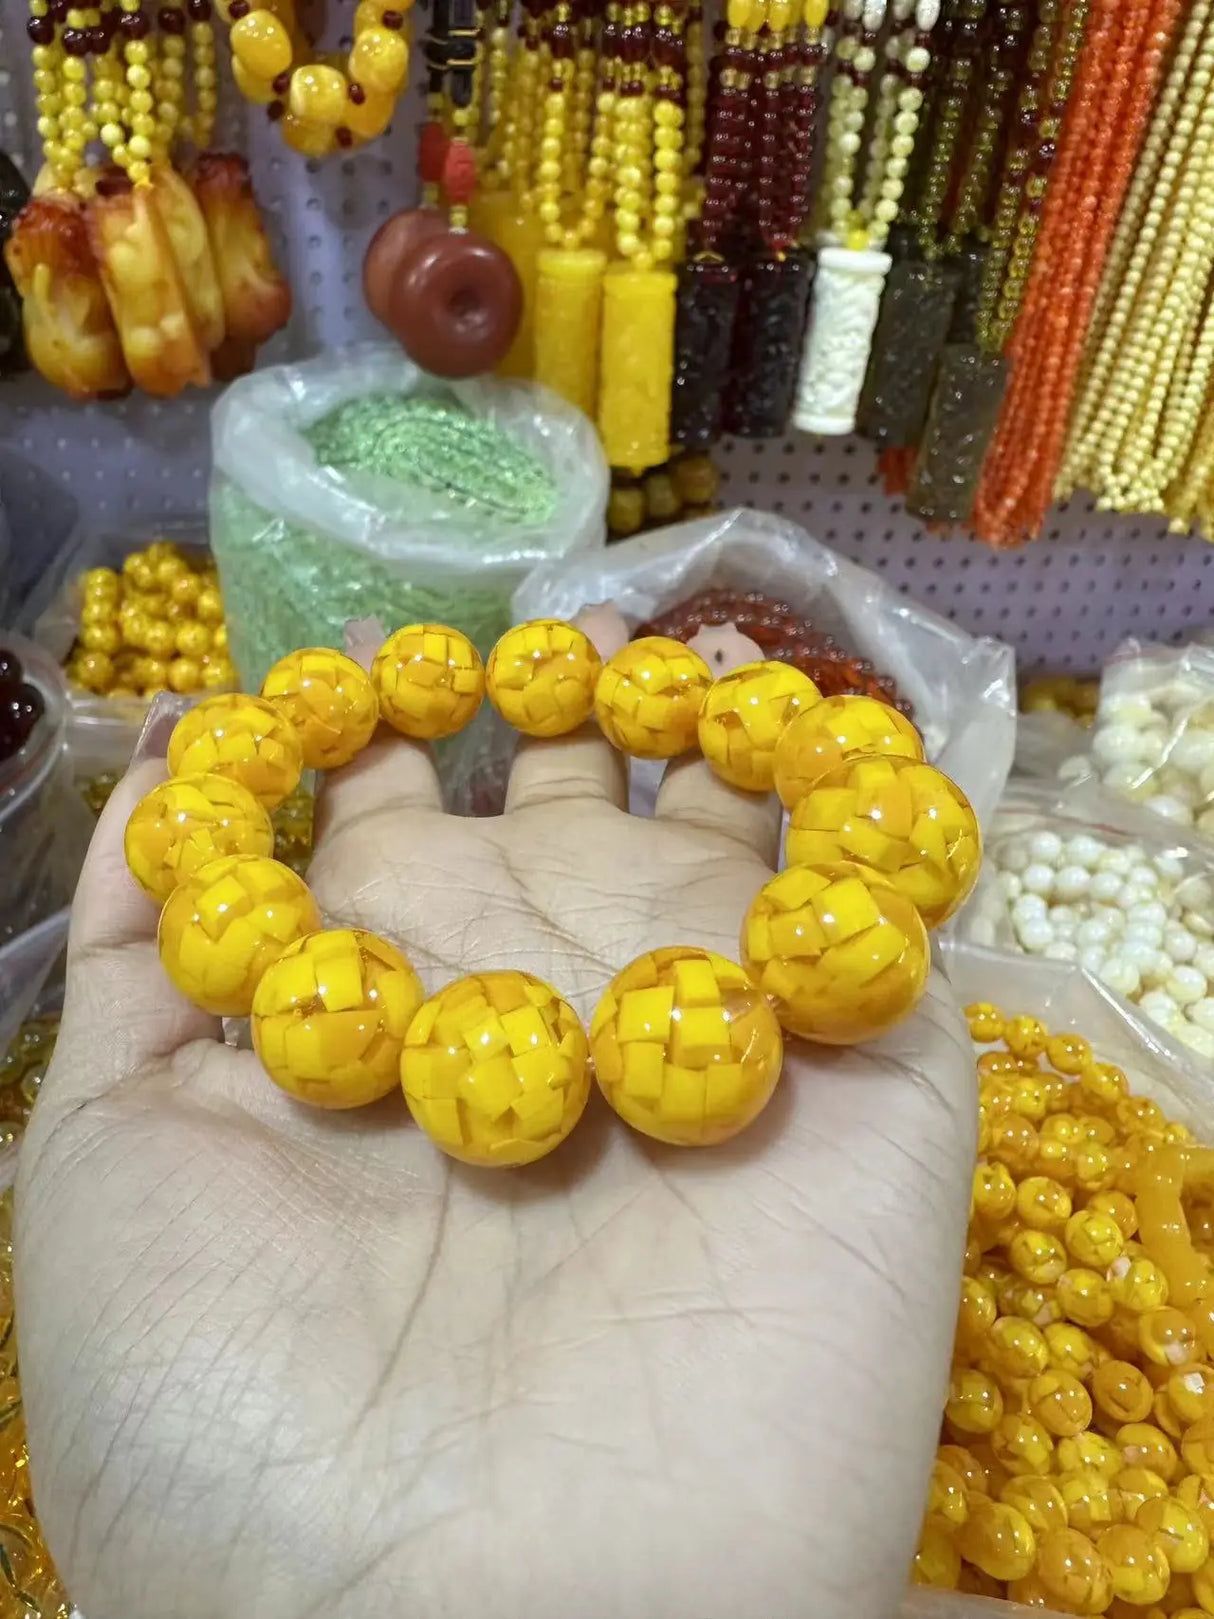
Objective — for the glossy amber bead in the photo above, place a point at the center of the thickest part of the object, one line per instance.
(1178, 1530)
(994, 1192)
(975, 1403)
(1191, 1391)
(901, 817)
(1088, 1452)
(685, 1047)
(187, 821)
(243, 738)
(1042, 1203)
(1094, 1239)
(1072, 1350)
(1169, 1338)
(1089, 1500)
(495, 1069)
(1060, 1403)
(998, 1540)
(985, 1022)
(1021, 1444)
(1037, 1256)
(1085, 1297)
(1137, 1567)
(1134, 1485)
(330, 1017)
(833, 732)
(223, 926)
(1073, 1572)
(1138, 1285)
(936, 1562)
(1119, 1207)
(947, 1496)
(1038, 1500)
(1122, 1392)
(841, 955)
(1016, 1348)
(430, 681)
(649, 697)
(1197, 1446)
(330, 701)
(1142, 1444)
(744, 716)
(1196, 1490)
(976, 1312)
(541, 677)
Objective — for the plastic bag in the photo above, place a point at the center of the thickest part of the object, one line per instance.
(963, 689)
(302, 548)
(1153, 741)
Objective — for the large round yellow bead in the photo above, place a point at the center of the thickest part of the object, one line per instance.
(541, 677)
(496, 1069)
(330, 1017)
(685, 1049)
(839, 952)
(187, 821)
(833, 731)
(743, 717)
(226, 924)
(330, 701)
(243, 738)
(900, 817)
(649, 697)
(430, 681)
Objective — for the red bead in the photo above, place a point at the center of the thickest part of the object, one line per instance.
(459, 173)
(432, 146)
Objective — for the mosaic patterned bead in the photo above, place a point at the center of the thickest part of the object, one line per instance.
(541, 677)
(495, 1069)
(430, 681)
(187, 821)
(226, 924)
(841, 955)
(330, 701)
(900, 817)
(330, 1017)
(743, 717)
(649, 696)
(685, 1048)
(243, 738)
(834, 731)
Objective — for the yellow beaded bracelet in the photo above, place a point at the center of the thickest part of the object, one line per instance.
(686, 1046)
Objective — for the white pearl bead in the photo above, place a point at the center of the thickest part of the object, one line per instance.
(1205, 821)
(1084, 850)
(1160, 970)
(1076, 768)
(1117, 744)
(1094, 931)
(1204, 960)
(1186, 985)
(1171, 808)
(1009, 885)
(1120, 975)
(1039, 878)
(1158, 1004)
(1192, 751)
(1064, 926)
(927, 15)
(1105, 885)
(1029, 908)
(1116, 860)
(1133, 897)
(1014, 856)
(1179, 942)
(1035, 935)
(1169, 867)
(1072, 882)
(1092, 959)
(918, 59)
(1147, 913)
(1198, 925)
(1122, 779)
(1061, 950)
(1199, 1040)
(1202, 1013)
(1045, 846)
(1125, 709)
(1206, 780)
(1143, 876)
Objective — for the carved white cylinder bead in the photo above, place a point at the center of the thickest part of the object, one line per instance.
(846, 301)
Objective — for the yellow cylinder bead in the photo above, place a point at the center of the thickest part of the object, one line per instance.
(224, 926)
(841, 955)
(743, 717)
(541, 677)
(998, 1540)
(1137, 1567)
(317, 95)
(500, 216)
(330, 701)
(649, 697)
(330, 1017)
(661, 1081)
(261, 45)
(495, 1069)
(833, 732)
(185, 823)
(568, 319)
(1072, 1571)
(430, 681)
(242, 738)
(379, 60)
(636, 367)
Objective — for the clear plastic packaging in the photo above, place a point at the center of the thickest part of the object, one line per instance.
(303, 548)
(1153, 741)
(25, 966)
(963, 688)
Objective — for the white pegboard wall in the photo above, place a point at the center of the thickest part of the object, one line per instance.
(1064, 602)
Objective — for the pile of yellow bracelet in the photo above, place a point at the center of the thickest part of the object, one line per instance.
(1076, 1471)
(685, 1045)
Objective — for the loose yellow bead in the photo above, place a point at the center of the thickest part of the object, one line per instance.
(1043, 1204)
(947, 1496)
(1089, 1500)
(649, 697)
(186, 822)
(541, 677)
(330, 701)
(1103, 1085)
(977, 1310)
(1137, 1568)
(1038, 1256)
(330, 1017)
(743, 717)
(685, 1047)
(242, 738)
(1068, 1053)
(1134, 1485)
(985, 1022)
(261, 44)
(1060, 1403)
(430, 681)
(1119, 1207)
(963, 1462)
(226, 924)
(841, 955)
(1197, 1446)
(1074, 1572)
(1017, 1349)
(974, 1404)
(994, 1194)
(209, 604)
(101, 583)
(1084, 1297)
(1022, 1444)
(495, 1069)
(1196, 1491)
(937, 1562)
(1088, 1452)
(1014, 1141)
(998, 1540)
(1025, 1036)
(1177, 1530)
(1142, 1444)
(1038, 1500)
(1169, 1338)
(833, 732)
(900, 816)
(1030, 1097)
(1138, 1285)
(1094, 1239)
(1191, 1391)
(1121, 1392)
(1071, 1350)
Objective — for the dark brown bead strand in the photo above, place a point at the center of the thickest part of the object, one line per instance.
(916, 312)
(707, 301)
(772, 307)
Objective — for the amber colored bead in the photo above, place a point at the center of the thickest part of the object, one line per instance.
(832, 732)
(495, 1069)
(1032, 1302)
(998, 1540)
(743, 717)
(1197, 1445)
(1021, 1444)
(1094, 1239)
(985, 1022)
(1054, 1159)
(1038, 1500)
(1038, 1256)
(430, 681)
(541, 677)
(187, 821)
(1014, 1142)
(1134, 1485)
(963, 1462)
(976, 1312)
(974, 1404)
(1119, 1207)
(1085, 1297)
(1164, 1416)
(1072, 1350)
(1178, 1530)
(1137, 1567)
(223, 926)
(1088, 1452)
(1030, 1098)
(1094, 1167)
(1073, 1571)
(1138, 1285)
(242, 738)
(1016, 1348)
(1138, 1113)
(936, 1562)
(1089, 1499)
(1068, 1053)
(1121, 1392)
(330, 1017)
(1196, 1490)
(1169, 1338)
(1103, 1085)
(1027, 1592)
(999, 1065)
(1025, 1036)
(994, 1193)
(947, 1496)
(1064, 1127)
(1142, 1444)
(1191, 1392)
(649, 697)
(1043, 1204)
(330, 701)
(1060, 1403)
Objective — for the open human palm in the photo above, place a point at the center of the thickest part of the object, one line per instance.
(279, 1362)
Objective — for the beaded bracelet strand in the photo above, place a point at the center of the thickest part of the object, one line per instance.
(685, 1045)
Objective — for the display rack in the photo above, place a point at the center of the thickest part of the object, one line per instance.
(1064, 602)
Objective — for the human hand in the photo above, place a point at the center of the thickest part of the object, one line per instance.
(279, 1362)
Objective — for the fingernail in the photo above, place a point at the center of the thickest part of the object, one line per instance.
(165, 710)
